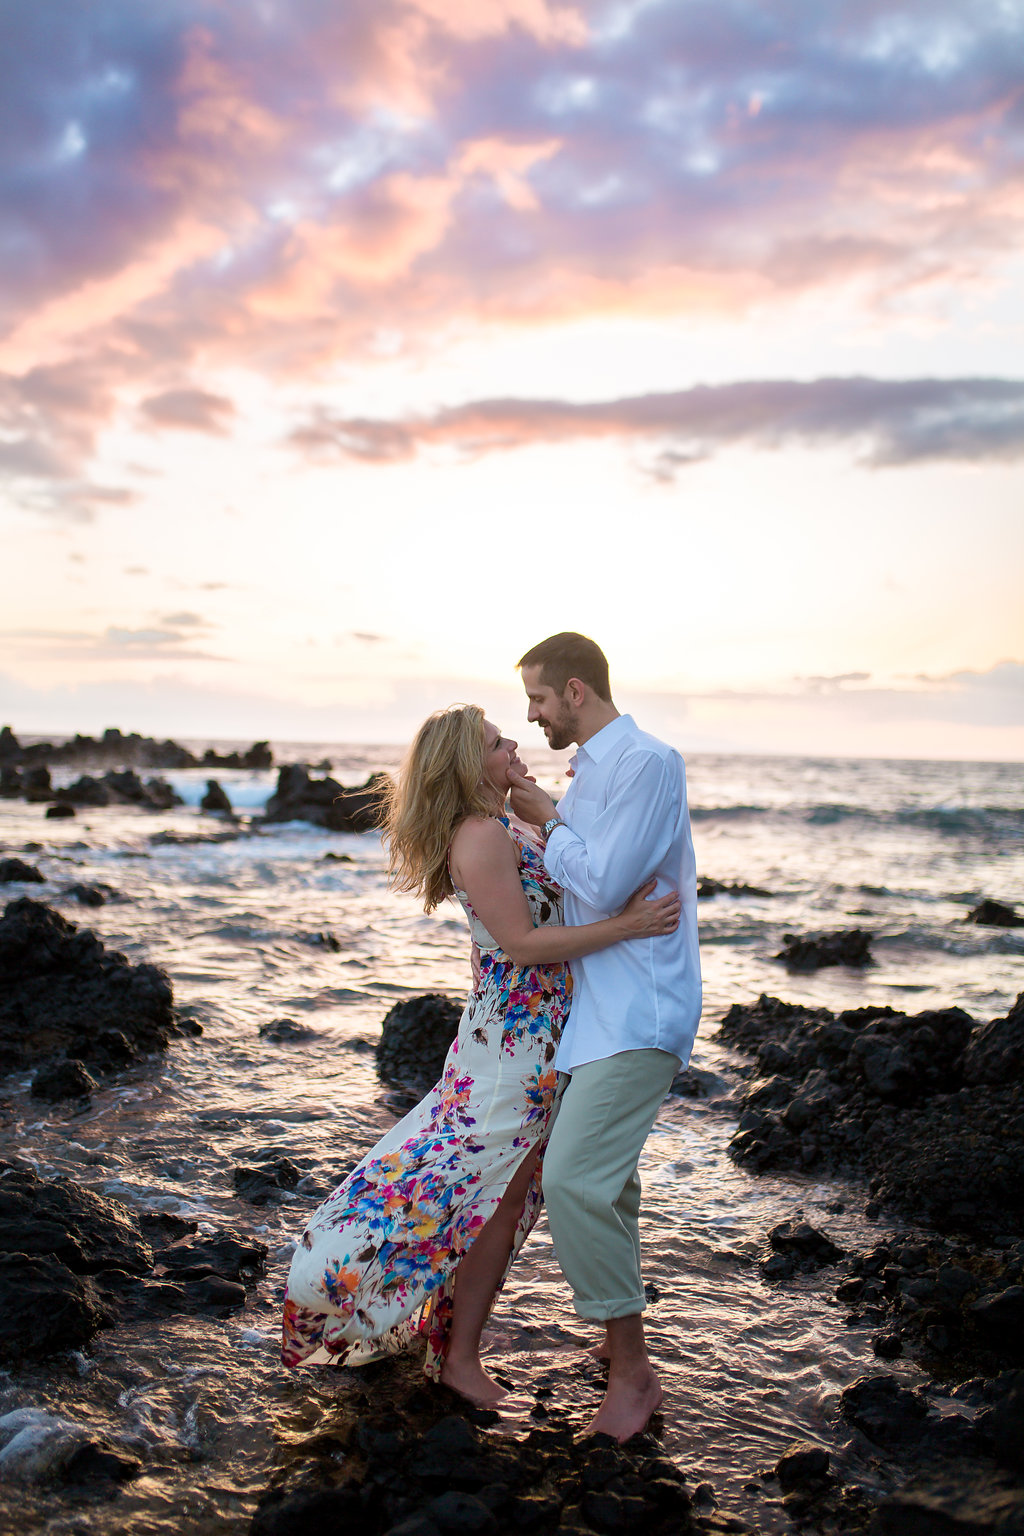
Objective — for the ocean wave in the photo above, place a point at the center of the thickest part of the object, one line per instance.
(728, 812)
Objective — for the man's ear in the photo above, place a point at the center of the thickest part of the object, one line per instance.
(575, 693)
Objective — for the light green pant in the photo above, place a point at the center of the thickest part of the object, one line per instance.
(591, 1184)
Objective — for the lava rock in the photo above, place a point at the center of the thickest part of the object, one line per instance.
(798, 1238)
(63, 993)
(415, 1038)
(59, 812)
(282, 1030)
(995, 1051)
(928, 1105)
(267, 1182)
(708, 888)
(62, 1080)
(849, 946)
(995, 914)
(225, 1254)
(325, 802)
(951, 1504)
(91, 895)
(883, 1410)
(84, 1231)
(801, 1463)
(44, 1307)
(16, 871)
(36, 785)
(215, 799)
(1001, 1422)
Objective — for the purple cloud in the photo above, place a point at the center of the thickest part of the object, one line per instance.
(891, 422)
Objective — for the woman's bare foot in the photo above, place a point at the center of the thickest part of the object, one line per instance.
(470, 1380)
(600, 1351)
(627, 1405)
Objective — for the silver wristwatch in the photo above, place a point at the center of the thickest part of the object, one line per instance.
(549, 826)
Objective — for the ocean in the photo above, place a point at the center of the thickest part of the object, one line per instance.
(254, 923)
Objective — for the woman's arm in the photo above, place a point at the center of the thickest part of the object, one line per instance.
(483, 860)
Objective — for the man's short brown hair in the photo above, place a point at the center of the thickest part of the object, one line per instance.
(570, 655)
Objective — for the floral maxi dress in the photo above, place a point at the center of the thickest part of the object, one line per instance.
(376, 1265)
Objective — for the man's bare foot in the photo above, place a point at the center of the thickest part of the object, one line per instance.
(471, 1381)
(627, 1405)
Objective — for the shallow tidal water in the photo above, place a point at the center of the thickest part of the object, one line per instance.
(257, 924)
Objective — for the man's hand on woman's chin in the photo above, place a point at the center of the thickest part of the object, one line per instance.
(529, 802)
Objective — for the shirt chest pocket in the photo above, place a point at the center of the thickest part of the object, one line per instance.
(582, 814)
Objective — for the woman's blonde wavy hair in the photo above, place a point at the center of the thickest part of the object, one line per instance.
(438, 785)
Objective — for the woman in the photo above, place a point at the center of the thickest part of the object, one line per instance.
(421, 1234)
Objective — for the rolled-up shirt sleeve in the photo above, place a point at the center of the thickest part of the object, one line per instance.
(628, 839)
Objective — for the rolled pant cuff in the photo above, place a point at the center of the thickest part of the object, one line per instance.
(604, 1311)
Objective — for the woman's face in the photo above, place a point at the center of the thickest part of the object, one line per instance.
(499, 756)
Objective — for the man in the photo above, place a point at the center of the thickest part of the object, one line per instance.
(635, 1005)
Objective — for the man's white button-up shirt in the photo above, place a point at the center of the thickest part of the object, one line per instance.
(626, 819)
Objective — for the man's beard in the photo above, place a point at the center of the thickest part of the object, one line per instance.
(561, 731)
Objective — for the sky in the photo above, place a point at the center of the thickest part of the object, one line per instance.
(348, 348)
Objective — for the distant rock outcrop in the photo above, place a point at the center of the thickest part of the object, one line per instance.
(215, 800)
(325, 802)
(117, 749)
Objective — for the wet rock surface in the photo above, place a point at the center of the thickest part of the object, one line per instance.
(849, 946)
(922, 1105)
(325, 802)
(995, 914)
(16, 871)
(707, 888)
(215, 799)
(119, 787)
(72, 1261)
(415, 1037)
(63, 993)
(419, 1469)
(956, 1306)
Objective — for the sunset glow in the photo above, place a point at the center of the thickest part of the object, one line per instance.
(346, 351)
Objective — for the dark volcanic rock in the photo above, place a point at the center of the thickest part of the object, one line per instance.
(954, 1305)
(117, 749)
(59, 812)
(850, 946)
(283, 1030)
(415, 1037)
(798, 1245)
(85, 1231)
(13, 871)
(215, 799)
(995, 914)
(62, 1080)
(801, 1463)
(62, 992)
(883, 1410)
(929, 1105)
(92, 895)
(266, 1182)
(953, 1504)
(44, 1307)
(1001, 1422)
(995, 1051)
(326, 802)
(226, 1254)
(10, 783)
(708, 888)
(394, 1472)
(36, 786)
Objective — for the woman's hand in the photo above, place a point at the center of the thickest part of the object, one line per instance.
(644, 919)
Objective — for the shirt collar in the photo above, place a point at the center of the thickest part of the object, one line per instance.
(607, 738)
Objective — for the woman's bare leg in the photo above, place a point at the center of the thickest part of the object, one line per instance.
(476, 1280)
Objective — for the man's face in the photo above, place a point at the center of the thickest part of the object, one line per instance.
(550, 710)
